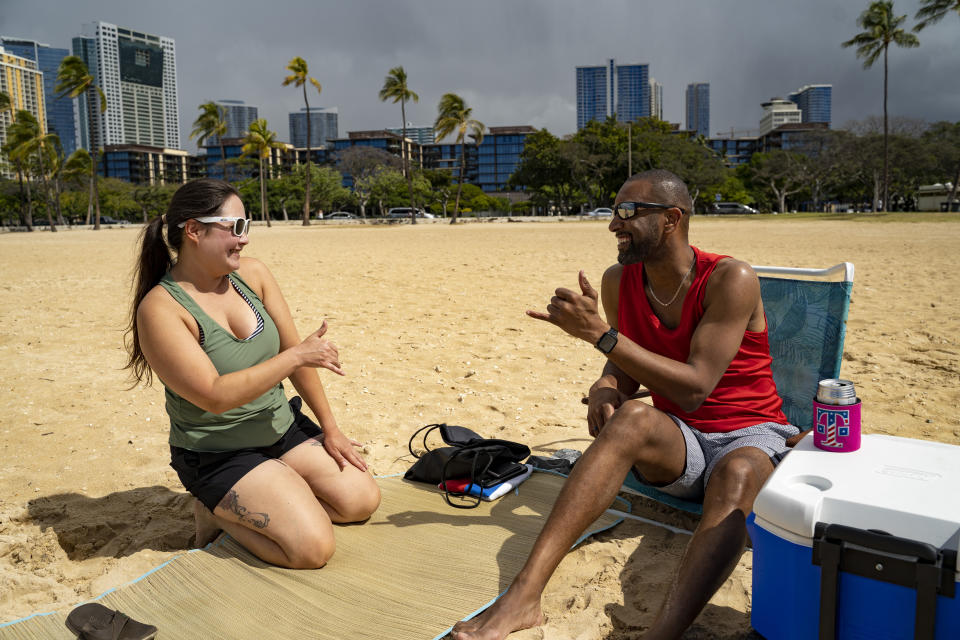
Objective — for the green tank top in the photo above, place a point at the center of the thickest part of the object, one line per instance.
(256, 424)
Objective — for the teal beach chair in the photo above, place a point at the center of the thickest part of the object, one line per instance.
(807, 319)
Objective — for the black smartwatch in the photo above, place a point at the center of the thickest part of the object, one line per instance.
(607, 341)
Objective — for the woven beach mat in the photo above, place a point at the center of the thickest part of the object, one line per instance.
(411, 571)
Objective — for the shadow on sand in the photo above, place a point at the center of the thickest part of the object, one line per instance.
(119, 524)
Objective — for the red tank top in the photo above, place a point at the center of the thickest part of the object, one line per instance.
(746, 394)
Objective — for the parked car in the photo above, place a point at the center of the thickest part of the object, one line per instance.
(109, 220)
(731, 207)
(404, 212)
(340, 215)
(600, 212)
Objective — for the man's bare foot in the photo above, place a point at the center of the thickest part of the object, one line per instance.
(508, 614)
(206, 524)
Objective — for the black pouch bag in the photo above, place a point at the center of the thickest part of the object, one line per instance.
(485, 461)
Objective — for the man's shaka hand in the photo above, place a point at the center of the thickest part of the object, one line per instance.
(575, 313)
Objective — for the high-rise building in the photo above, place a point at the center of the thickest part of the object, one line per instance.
(420, 135)
(59, 111)
(137, 72)
(777, 112)
(239, 117)
(323, 127)
(498, 156)
(593, 101)
(23, 82)
(698, 108)
(612, 90)
(814, 101)
(656, 99)
(633, 92)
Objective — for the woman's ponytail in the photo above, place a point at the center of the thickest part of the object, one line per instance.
(154, 261)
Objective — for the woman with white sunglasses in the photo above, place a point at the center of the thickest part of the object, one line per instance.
(216, 330)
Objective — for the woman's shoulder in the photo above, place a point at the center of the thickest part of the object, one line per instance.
(252, 270)
(254, 274)
(157, 301)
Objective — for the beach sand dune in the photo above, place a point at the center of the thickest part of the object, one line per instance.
(431, 327)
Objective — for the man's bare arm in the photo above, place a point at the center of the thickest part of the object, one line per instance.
(732, 298)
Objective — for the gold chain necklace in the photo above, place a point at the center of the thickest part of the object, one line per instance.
(676, 293)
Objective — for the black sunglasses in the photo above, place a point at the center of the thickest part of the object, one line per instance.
(626, 210)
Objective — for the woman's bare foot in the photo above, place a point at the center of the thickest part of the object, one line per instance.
(206, 524)
(508, 614)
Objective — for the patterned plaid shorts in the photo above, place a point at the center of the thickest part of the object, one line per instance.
(705, 450)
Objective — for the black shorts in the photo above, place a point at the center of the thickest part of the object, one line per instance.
(210, 475)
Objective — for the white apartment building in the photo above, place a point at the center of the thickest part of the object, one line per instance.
(137, 72)
(776, 112)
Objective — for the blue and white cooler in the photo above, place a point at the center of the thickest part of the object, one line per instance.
(859, 545)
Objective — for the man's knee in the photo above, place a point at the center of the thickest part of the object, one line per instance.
(634, 425)
(737, 478)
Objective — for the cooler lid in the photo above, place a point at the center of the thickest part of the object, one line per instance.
(905, 487)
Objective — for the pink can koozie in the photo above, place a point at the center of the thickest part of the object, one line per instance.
(836, 422)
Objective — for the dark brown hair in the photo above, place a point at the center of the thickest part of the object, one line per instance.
(195, 199)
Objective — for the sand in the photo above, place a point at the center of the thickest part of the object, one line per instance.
(430, 325)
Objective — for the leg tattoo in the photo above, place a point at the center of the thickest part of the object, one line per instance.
(231, 503)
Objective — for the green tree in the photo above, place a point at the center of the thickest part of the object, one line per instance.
(782, 172)
(259, 141)
(78, 168)
(22, 137)
(453, 116)
(211, 122)
(299, 77)
(14, 140)
(74, 80)
(945, 136)
(439, 183)
(933, 11)
(361, 164)
(881, 28)
(544, 170)
(395, 88)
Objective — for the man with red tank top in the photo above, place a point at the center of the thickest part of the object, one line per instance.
(688, 326)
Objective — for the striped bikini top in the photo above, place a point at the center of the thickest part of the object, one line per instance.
(259, 326)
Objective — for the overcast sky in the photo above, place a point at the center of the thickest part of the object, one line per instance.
(514, 60)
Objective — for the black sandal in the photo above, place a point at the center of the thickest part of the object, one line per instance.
(94, 621)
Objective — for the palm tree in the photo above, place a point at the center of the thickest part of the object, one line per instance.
(881, 28)
(46, 147)
(21, 135)
(73, 80)
(79, 167)
(7, 113)
(212, 121)
(453, 115)
(395, 88)
(299, 76)
(933, 11)
(260, 140)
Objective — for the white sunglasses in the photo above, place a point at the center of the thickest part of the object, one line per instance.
(240, 225)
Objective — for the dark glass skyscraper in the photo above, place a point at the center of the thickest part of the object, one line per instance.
(698, 108)
(814, 101)
(59, 111)
(592, 100)
(323, 127)
(239, 117)
(633, 92)
(613, 90)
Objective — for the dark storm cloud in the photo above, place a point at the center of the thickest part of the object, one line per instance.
(513, 61)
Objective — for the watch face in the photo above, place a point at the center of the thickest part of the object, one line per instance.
(607, 342)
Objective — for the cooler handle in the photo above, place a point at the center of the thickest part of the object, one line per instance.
(885, 557)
